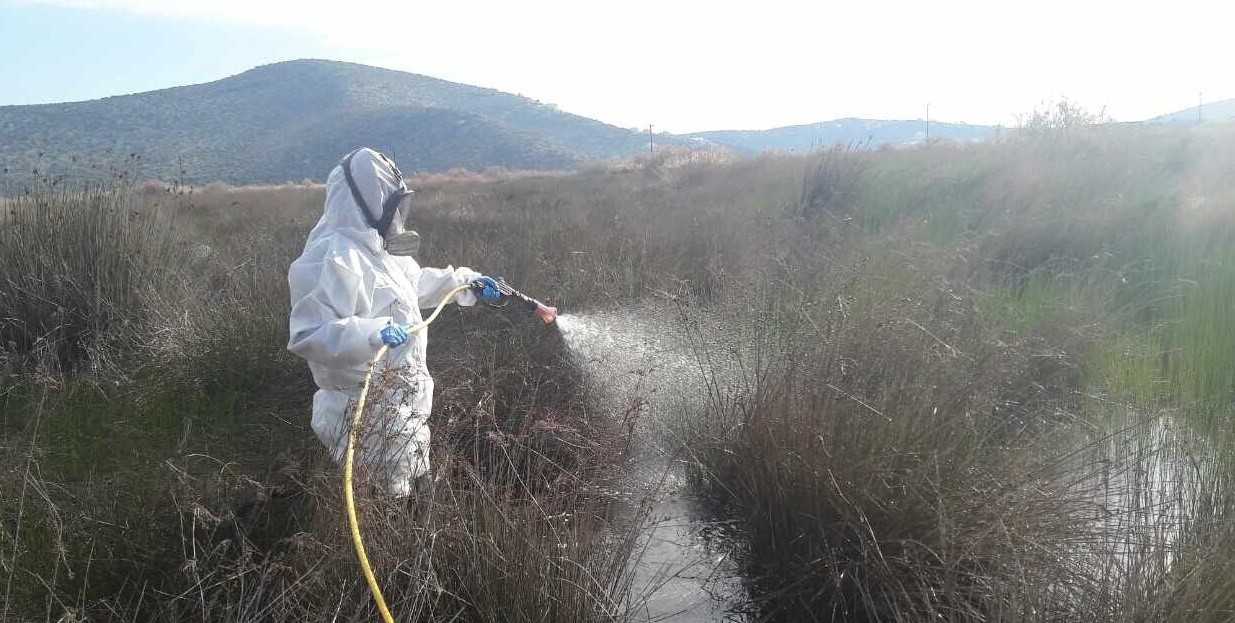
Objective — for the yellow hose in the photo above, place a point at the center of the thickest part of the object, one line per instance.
(349, 497)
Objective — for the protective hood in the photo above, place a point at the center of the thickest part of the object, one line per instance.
(362, 196)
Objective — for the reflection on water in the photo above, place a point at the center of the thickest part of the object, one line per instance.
(1136, 483)
(1151, 472)
(636, 357)
(1152, 487)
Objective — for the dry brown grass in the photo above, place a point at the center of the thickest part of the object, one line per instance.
(932, 377)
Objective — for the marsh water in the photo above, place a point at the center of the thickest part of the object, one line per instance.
(680, 572)
(1139, 472)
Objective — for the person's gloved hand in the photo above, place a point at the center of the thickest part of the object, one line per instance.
(486, 288)
(393, 336)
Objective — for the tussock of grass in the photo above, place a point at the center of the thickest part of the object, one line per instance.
(76, 270)
(873, 462)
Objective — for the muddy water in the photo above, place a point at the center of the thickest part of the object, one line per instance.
(636, 355)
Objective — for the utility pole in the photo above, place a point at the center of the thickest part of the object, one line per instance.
(651, 140)
(928, 122)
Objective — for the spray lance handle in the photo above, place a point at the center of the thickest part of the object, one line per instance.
(547, 314)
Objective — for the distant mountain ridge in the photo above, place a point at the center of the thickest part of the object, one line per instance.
(1222, 111)
(293, 120)
(878, 132)
(867, 132)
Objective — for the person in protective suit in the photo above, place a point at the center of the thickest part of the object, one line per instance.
(350, 295)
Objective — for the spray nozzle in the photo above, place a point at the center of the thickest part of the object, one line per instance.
(546, 313)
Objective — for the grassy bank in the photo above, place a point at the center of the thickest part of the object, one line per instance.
(1003, 395)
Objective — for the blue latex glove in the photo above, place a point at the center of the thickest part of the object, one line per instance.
(486, 288)
(393, 336)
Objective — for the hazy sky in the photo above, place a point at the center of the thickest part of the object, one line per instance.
(680, 65)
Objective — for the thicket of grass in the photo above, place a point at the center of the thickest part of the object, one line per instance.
(1006, 394)
(74, 280)
(180, 479)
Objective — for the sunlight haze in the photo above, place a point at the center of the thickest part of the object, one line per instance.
(682, 66)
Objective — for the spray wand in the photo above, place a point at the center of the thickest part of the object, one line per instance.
(510, 295)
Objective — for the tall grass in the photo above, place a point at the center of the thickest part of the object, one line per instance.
(76, 267)
(455, 552)
(983, 382)
(1002, 396)
(183, 482)
(878, 462)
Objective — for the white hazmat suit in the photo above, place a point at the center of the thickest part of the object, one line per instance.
(345, 288)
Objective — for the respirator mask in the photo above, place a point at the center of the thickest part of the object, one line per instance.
(395, 212)
(399, 239)
(406, 243)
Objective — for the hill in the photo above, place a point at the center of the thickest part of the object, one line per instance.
(840, 131)
(292, 120)
(1222, 111)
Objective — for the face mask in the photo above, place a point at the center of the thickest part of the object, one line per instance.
(399, 215)
(406, 243)
(395, 209)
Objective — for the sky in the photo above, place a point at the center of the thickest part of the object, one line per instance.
(678, 65)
